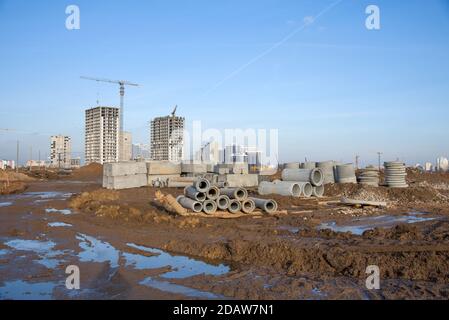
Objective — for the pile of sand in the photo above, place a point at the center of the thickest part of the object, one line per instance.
(93, 171)
(6, 175)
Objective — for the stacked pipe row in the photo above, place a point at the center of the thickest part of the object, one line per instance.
(395, 174)
(369, 176)
(202, 196)
(296, 183)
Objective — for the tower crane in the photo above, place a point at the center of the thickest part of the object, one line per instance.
(122, 84)
(174, 111)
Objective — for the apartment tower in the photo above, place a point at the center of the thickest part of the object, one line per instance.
(166, 138)
(60, 151)
(102, 135)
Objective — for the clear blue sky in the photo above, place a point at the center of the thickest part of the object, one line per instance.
(334, 89)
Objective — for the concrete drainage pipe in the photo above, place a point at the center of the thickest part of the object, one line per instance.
(308, 165)
(235, 193)
(328, 171)
(314, 176)
(292, 165)
(190, 204)
(318, 191)
(223, 202)
(345, 173)
(194, 194)
(306, 189)
(202, 185)
(234, 206)
(248, 206)
(213, 193)
(284, 188)
(209, 207)
(395, 174)
(269, 206)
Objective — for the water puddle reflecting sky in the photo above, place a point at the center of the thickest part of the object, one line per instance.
(360, 225)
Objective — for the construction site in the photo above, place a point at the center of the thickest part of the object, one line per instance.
(307, 159)
(167, 230)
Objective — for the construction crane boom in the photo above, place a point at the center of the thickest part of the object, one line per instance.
(122, 84)
(174, 111)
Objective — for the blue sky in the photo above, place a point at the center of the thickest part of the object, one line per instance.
(334, 89)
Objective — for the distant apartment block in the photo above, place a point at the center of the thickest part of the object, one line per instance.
(60, 151)
(167, 138)
(102, 135)
(7, 164)
(141, 151)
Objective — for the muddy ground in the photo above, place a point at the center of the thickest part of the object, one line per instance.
(128, 247)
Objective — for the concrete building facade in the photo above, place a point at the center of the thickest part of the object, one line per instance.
(126, 146)
(60, 151)
(167, 138)
(102, 135)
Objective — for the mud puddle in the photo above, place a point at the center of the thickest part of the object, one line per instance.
(360, 225)
(5, 204)
(60, 211)
(59, 224)
(182, 266)
(21, 290)
(47, 256)
(179, 289)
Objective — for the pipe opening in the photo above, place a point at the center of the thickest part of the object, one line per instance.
(197, 207)
(308, 190)
(296, 190)
(208, 206)
(234, 206)
(240, 194)
(247, 205)
(269, 205)
(222, 202)
(201, 196)
(202, 184)
(316, 176)
(212, 192)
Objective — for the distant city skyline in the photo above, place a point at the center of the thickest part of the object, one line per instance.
(310, 69)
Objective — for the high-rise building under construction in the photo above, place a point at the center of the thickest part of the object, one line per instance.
(102, 135)
(166, 137)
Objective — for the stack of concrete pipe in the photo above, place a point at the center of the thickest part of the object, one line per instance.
(395, 174)
(308, 165)
(296, 183)
(369, 176)
(292, 165)
(345, 173)
(205, 197)
(327, 167)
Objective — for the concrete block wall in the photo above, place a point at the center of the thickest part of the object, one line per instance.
(163, 167)
(188, 167)
(124, 168)
(125, 182)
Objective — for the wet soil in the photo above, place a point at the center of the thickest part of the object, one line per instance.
(288, 256)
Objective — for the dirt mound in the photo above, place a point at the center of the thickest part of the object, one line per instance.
(98, 196)
(41, 174)
(93, 171)
(12, 187)
(14, 176)
(414, 194)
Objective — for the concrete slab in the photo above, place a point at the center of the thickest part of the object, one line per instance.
(163, 167)
(125, 182)
(194, 168)
(124, 168)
